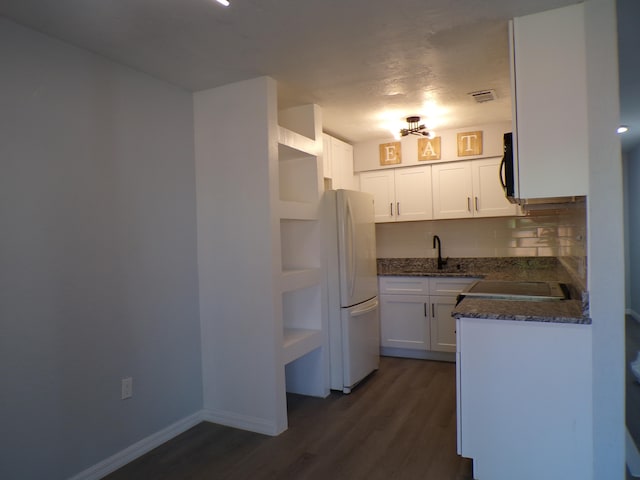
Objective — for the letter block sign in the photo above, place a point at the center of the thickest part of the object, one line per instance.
(428, 149)
(470, 143)
(390, 153)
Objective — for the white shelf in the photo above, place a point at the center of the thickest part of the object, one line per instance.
(298, 210)
(298, 143)
(300, 341)
(298, 279)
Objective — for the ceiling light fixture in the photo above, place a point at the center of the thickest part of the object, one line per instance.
(414, 127)
(223, 2)
(622, 129)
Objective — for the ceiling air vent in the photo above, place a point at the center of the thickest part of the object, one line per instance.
(482, 96)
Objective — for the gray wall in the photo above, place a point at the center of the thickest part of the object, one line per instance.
(632, 187)
(98, 272)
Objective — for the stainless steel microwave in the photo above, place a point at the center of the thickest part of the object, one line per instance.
(507, 174)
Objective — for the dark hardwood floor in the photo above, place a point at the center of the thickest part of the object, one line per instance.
(398, 424)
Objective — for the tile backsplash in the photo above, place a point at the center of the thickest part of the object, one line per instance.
(557, 233)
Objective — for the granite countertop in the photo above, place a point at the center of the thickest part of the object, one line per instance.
(532, 269)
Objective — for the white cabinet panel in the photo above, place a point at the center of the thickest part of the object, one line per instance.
(488, 196)
(415, 313)
(338, 163)
(401, 194)
(523, 386)
(327, 157)
(443, 325)
(413, 193)
(550, 117)
(380, 184)
(452, 190)
(405, 285)
(405, 321)
(469, 189)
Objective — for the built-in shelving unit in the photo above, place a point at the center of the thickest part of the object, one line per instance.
(302, 278)
(260, 255)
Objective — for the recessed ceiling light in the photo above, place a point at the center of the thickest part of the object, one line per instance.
(623, 129)
(223, 2)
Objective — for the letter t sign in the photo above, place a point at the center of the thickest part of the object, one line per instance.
(470, 143)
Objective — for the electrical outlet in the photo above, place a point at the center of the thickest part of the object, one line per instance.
(127, 388)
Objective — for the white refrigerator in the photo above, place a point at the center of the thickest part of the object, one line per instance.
(354, 322)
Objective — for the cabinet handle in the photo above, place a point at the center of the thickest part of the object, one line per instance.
(469, 204)
(433, 310)
(391, 208)
(425, 309)
(476, 204)
(398, 208)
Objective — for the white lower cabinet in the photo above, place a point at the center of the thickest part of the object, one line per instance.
(443, 325)
(524, 399)
(415, 315)
(405, 321)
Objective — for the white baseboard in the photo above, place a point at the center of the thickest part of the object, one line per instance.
(634, 315)
(252, 424)
(138, 449)
(633, 456)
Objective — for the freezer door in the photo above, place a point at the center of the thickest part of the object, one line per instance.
(356, 247)
(360, 342)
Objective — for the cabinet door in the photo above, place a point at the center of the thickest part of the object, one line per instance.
(380, 184)
(327, 157)
(343, 165)
(551, 109)
(488, 196)
(443, 325)
(452, 190)
(413, 193)
(404, 321)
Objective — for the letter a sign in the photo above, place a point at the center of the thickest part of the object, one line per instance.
(470, 143)
(428, 149)
(390, 153)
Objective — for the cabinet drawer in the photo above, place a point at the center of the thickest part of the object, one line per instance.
(404, 285)
(449, 285)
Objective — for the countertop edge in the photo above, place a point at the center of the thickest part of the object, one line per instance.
(565, 311)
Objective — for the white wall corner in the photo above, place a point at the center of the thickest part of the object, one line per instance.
(136, 450)
(243, 422)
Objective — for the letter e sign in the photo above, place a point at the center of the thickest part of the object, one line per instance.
(470, 143)
(390, 153)
(428, 149)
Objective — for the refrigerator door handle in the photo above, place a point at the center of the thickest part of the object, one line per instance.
(364, 310)
(351, 253)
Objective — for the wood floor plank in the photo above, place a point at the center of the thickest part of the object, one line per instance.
(398, 424)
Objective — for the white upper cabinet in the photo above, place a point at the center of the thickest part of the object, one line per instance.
(452, 190)
(488, 195)
(327, 158)
(338, 163)
(469, 189)
(413, 193)
(380, 184)
(402, 194)
(548, 55)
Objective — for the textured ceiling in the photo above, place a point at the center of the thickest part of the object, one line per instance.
(366, 62)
